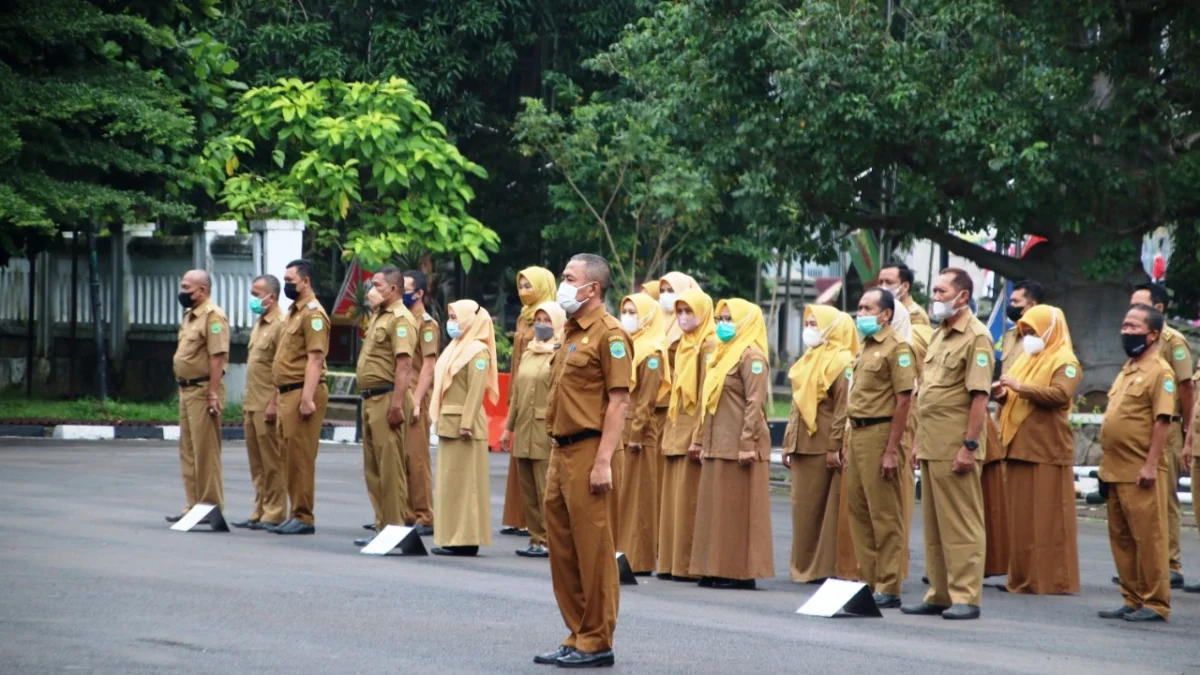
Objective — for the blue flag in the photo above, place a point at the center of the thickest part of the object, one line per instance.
(998, 324)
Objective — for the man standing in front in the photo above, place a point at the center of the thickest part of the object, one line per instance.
(951, 410)
(199, 365)
(419, 511)
(1133, 469)
(299, 375)
(259, 407)
(589, 394)
(383, 374)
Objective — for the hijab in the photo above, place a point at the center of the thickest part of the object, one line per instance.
(815, 372)
(751, 332)
(478, 336)
(651, 288)
(649, 339)
(685, 389)
(558, 320)
(1050, 324)
(544, 289)
(680, 283)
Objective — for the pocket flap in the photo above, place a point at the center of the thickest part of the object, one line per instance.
(452, 410)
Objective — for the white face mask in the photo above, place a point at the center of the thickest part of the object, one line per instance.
(813, 337)
(566, 297)
(630, 323)
(943, 310)
(1033, 345)
(667, 301)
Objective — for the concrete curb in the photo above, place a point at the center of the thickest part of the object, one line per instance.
(170, 432)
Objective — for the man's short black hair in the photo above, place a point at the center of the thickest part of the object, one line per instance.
(1158, 293)
(420, 280)
(961, 281)
(885, 299)
(393, 276)
(303, 268)
(1033, 290)
(906, 274)
(596, 269)
(1154, 318)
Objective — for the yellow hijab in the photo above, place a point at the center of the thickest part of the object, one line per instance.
(478, 336)
(685, 388)
(680, 283)
(558, 321)
(651, 288)
(544, 290)
(751, 332)
(1050, 324)
(649, 339)
(816, 371)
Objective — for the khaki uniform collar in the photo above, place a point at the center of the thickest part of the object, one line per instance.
(302, 300)
(203, 308)
(586, 320)
(883, 333)
(271, 314)
(959, 322)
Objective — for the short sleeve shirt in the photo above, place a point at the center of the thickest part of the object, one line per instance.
(264, 342)
(391, 333)
(305, 330)
(595, 358)
(884, 368)
(1142, 392)
(1175, 350)
(959, 364)
(429, 337)
(204, 332)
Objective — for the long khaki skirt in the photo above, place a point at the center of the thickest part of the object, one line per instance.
(1044, 551)
(816, 491)
(462, 505)
(638, 531)
(847, 561)
(514, 507)
(733, 522)
(995, 519)
(677, 521)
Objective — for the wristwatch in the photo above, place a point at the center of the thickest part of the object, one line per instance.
(970, 445)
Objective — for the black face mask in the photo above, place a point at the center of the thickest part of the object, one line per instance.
(543, 332)
(1135, 343)
(289, 290)
(1014, 313)
(186, 300)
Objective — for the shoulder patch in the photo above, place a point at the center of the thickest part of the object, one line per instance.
(849, 372)
(617, 349)
(652, 363)
(481, 364)
(981, 358)
(1071, 372)
(756, 367)
(318, 323)
(428, 336)
(426, 317)
(905, 359)
(708, 357)
(1180, 353)
(1169, 385)
(401, 331)
(216, 327)
(312, 304)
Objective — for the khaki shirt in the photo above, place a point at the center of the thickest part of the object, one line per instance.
(595, 358)
(739, 423)
(1143, 392)
(917, 315)
(687, 429)
(204, 332)
(1175, 350)
(527, 409)
(392, 333)
(1046, 437)
(959, 364)
(885, 368)
(664, 402)
(643, 401)
(306, 329)
(264, 340)
(430, 337)
(1013, 348)
(462, 406)
(831, 424)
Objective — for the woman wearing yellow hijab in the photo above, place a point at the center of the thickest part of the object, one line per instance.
(1038, 393)
(535, 285)
(467, 369)
(651, 379)
(733, 544)
(525, 430)
(684, 434)
(812, 444)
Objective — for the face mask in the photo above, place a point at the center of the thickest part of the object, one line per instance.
(867, 325)
(374, 298)
(542, 332)
(688, 323)
(409, 299)
(1033, 345)
(186, 300)
(290, 292)
(892, 291)
(630, 323)
(256, 305)
(1014, 313)
(943, 310)
(813, 338)
(1134, 343)
(526, 295)
(726, 331)
(566, 297)
(667, 302)
(453, 330)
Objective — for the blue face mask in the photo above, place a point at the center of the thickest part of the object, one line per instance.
(867, 325)
(726, 331)
(256, 305)
(453, 330)
(409, 299)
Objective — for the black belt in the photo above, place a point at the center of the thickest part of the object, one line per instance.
(375, 391)
(1176, 418)
(860, 422)
(566, 441)
(184, 384)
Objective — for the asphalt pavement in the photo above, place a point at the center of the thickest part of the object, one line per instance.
(93, 581)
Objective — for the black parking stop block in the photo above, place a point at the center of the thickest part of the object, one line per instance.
(138, 432)
(26, 430)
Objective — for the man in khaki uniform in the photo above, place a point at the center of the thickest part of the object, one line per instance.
(1026, 294)
(1175, 350)
(589, 395)
(1191, 461)
(259, 407)
(419, 510)
(955, 385)
(898, 278)
(383, 374)
(880, 397)
(199, 365)
(299, 376)
(1133, 469)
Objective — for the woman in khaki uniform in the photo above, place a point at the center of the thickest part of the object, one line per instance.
(684, 434)
(812, 444)
(525, 431)
(1036, 431)
(535, 285)
(733, 545)
(638, 534)
(668, 288)
(462, 500)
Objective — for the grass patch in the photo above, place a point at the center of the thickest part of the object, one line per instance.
(14, 407)
(782, 410)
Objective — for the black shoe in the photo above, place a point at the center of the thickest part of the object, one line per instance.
(686, 580)
(264, 525)
(578, 659)
(423, 530)
(665, 576)
(247, 524)
(369, 526)
(924, 609)
(1117, 580)
(461, 551)
(735, 584)
(296, 527)
(961, 613)
(1144, 615)
(508, 529)
(175, 519)
(534, 551)
(707, 582)
(1176, 580)
(279, 526)
(886, 601)
(1192, 588)
(551, 658)
(1118, 613)
(925, 580)
(363, 542)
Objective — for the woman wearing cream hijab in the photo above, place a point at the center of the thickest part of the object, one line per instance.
(535, 285)
(669, 288)
(733, 545)
(525, 430)
(1035, 428)
(638, 534)
(467, 369)
(685, 432)
(812, 444)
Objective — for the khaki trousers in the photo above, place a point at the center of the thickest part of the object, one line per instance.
(1137, 531)
(419, 469)
(1195, 489)
(301, 438)
(513, 514)
(383, 462)
(200, 448)
(955, 539)
(583, 563)
(876, 508)
(532, 474)
(268, 471)
(1174, 452)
